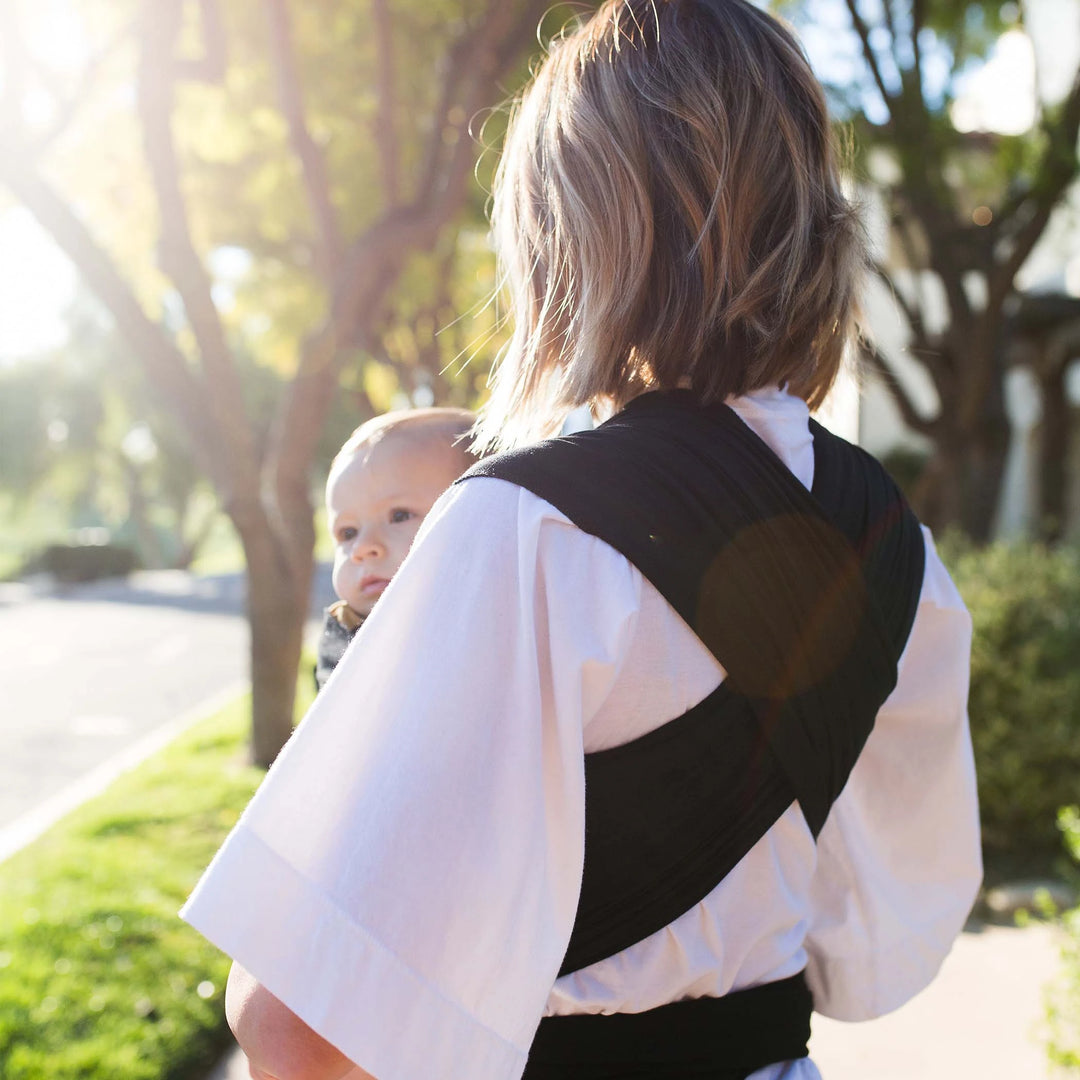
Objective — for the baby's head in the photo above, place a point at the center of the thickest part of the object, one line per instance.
(381, 485)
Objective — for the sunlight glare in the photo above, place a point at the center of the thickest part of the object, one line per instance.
(1072, 276)
(999, 96)
(57, 35)
(1054, 26)
(37, 283)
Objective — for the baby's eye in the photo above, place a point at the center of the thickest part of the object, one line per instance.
(345, 534)
(399, 515)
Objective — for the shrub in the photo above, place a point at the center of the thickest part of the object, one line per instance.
(1063, 995)
(71, 563)
(1025, 687)
(907, 466)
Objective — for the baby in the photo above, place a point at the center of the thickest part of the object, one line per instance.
(381, 485)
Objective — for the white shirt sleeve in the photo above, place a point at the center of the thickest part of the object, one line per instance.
(406, 877)
(899, 860)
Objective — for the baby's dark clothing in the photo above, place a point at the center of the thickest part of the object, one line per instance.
(339, 628)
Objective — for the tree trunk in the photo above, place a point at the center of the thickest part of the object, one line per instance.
(961, 486)
(962, 483)
(1053, 454)
(982, 470)
(935, 498)
(277, 602)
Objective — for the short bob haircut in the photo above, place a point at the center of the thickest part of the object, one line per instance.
(668, 212)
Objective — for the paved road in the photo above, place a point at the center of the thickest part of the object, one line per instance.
(87, 673)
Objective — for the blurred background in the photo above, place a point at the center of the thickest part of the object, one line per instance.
(232, 231)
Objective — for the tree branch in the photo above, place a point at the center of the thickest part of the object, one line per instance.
(1057, 169)
(938, 227)
(370, 273)
(901, 222)
(70, 105)
(918, 21)
(910, 108)
(1062, 346)
(386, 116)
(210, 67)
(868, 52)
(155, 85)
(920, 345)
(476, 61)
(890, 23)
(373, 262)
(453, 72)
(911, 416)
(13, 56)
(331, 243)
(168, 370)
(911, 311)
(429, 366)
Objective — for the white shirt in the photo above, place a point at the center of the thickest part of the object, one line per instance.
(406, 877)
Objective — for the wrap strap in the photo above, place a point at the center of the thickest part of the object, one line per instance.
(806, 598)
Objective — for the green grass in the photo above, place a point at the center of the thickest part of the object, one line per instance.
(10, 565)
(98, 977)
(221, 551)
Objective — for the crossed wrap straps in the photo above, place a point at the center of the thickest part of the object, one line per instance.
(805, 597)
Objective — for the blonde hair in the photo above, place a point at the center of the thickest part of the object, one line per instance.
(667, 211)
(444, 429)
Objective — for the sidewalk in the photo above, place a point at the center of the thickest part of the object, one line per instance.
(979, 1019)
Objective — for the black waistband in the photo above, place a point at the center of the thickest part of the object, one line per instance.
(724, 1038)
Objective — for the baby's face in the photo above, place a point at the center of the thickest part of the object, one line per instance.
(375, 503)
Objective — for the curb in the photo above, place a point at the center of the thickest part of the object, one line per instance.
(29, 826)
(232, 1065)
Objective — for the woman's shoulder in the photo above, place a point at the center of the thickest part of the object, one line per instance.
(489, 502)
(505, 529)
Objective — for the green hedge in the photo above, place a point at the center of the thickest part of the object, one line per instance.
(1063, 994)
(1025, 688)
(98, 977)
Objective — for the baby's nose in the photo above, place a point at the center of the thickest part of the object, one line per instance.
(367, 546)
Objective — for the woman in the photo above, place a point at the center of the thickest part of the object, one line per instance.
(660, 731)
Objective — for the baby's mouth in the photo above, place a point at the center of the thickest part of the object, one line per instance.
(373, 586)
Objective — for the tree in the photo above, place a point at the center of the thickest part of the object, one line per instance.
(82, 441)
(966, 209)
(298, 136)
(1044, 336)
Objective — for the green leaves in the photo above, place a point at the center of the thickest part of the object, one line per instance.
(1062, 996)
(1025, 688)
